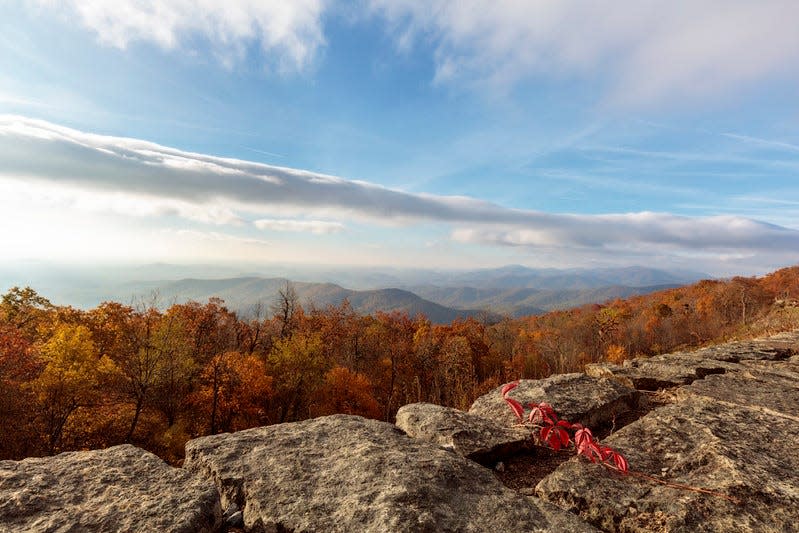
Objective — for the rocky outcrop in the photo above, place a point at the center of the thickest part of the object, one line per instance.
(715, 451)
(742, 458)
(660, 372)
(346, 473)
(575, 397)
(471, 436)
(683, 368)
(722, 457)
(122, 488)
(770, 392)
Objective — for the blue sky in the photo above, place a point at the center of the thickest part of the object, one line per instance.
(464, 134)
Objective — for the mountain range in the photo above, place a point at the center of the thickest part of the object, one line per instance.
(440, 295)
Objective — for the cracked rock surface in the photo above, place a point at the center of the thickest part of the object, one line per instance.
(122, 488)
(346, 473)
(472, 436)
(724, 454)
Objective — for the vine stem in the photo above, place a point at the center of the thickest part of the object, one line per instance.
(673, 485)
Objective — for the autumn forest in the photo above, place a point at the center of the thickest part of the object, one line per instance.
(157, 375)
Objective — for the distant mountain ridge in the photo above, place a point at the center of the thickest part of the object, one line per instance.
(518, 302)
(517, 276)
(442, 295)
(439, 304)
(241, 294)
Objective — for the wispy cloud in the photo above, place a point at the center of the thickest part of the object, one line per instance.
(768, 143)
(318, 227)
(290, 32)
(642, 52)
(37, 151)
(616, 153)
(7, 99)
(605, 182)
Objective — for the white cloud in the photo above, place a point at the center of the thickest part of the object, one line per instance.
(56, 196)
(318, 227)
(643, 231)
(290, 30)
(646, 51)
(231, 191)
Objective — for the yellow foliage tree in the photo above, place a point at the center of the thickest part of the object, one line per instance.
(69, 379)
(616, 354)
(298, 366)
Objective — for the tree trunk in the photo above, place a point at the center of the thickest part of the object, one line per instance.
(139, 405)
(214, 403)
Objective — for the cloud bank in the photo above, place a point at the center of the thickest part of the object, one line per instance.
(250, 193)
(291, 30)
(648, 51)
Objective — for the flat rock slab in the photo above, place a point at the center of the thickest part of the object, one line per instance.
(788, 368)
(737, 451)
(660, 371)
(122, 488)
(771, 391)
(683, 368)
(344, 473)
(575, 397)
(755, 350)
(774, 348)
(471, 436)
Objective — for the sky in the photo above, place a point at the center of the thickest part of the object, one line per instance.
(402, 133)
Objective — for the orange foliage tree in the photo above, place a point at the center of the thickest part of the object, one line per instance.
(73, 379)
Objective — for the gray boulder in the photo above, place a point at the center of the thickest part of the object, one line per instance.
(122, 488)
(744, 453)
(575, 397)
(472, 436)
(346, 473)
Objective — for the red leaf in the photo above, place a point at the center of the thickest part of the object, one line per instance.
(564, 437)
(621, 462)
(542, 413)
(558, 438)
(582, 437)
(509, 387)
(517, 408)
(589, 449)
(548, 412)
(554, 436)
(606, 452)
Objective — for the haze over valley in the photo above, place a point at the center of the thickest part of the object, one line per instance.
(440, 295)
